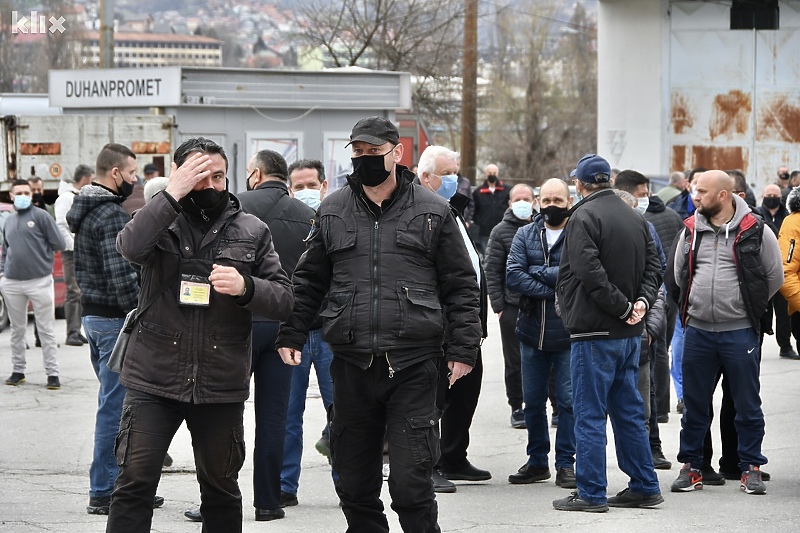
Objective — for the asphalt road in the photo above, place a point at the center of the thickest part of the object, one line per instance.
(46, 449)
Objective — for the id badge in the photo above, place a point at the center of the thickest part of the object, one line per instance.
(194, 291)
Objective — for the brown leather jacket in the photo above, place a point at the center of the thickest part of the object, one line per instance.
(199, 354)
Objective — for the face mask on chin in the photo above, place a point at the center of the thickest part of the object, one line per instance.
(125, 189)
(370, 170)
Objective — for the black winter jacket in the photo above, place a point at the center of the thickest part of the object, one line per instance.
(289, 226)
(666, 221)
(199, 354)
(609, 261)
(458, 203)
(395, 284)
(489, 207)
(532, 271)
(494, 262)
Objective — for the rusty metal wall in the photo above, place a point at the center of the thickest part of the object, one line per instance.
(734, 95)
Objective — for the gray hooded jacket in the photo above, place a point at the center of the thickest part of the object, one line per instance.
(715, 299)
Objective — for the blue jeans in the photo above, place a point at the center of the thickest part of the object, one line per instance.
(605, 374)
(318, 352)
(677, 358)
(536, 366)
(102, 335)
(272, 380)
(738, 353)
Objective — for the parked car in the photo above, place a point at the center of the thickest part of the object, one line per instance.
(60, 287)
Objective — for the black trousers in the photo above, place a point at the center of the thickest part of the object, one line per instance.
(457, 405)
(511, 357)
(367, 404)
(146, 429)
(786, 326)
(662, 375)
(272, 380)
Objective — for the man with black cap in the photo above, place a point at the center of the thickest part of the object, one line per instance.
(388, 264)
(135, 201)
(608, 279)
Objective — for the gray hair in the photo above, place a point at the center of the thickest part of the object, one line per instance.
(627, 197)
(153, 187)
(427, 161)
(676, 176)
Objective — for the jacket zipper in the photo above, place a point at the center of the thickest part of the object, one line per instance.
(391, 370)
(544, 304)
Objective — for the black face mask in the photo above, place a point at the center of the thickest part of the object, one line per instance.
(491, 178)
(554, 215)
(125, 189)
(771, 202)
(370, 169)
(37, 199)
(205, 203)
(247, 185)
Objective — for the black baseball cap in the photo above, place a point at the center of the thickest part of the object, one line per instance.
(375, 130)
(150, 168)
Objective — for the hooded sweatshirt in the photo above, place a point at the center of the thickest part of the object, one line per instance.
(715, 297)
(108, 282)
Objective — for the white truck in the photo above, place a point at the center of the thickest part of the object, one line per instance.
(51, 146)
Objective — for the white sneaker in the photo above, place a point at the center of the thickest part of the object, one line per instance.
(386, 472)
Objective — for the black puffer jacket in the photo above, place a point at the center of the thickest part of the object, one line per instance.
(533, 271)
(666, 221)
(392, 282)
(494, 263)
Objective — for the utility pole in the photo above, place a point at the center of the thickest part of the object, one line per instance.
(469, 91)
(106, 33)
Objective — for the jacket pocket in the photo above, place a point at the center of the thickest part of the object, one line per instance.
(417, 230)
(337, 317)
(421, 315)
(338, 233)
(155, 354)
(227, 357)
(239, 254)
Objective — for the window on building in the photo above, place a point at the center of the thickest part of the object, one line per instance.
(755, 15)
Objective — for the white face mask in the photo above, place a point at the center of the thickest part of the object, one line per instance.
(522, 209)
(310, 197)
(642, 204)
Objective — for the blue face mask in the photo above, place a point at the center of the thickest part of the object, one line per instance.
(522, 209)
(310, 197)
(22, 202)
(448, 187)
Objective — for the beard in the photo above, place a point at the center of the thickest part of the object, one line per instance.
(710, 211)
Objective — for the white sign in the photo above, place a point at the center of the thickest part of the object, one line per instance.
(117, 87)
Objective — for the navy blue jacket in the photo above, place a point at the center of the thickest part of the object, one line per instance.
(533, 272)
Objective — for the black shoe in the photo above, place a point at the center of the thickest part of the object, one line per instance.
(74, 339)
(628, 498)
(736, 475)
(518, 419)
(167, 460)
(468, 472)
(441, 484)
(158, 501)
(659, 461)
(288, 499)
(16, 378)
(83, 339)
(554, 421)
(265, 515)
(529, 474)
(789, 353)
(663, 419)
(573, 503)
(38, 343)
(710, 477)
(193, 514)
(53, 383)
(565, 478)
(679, 407)
(99, 505)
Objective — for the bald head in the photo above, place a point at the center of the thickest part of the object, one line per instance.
(520, 192)
(556, 186)
(716, 181)
(714, 198)
(771, 190)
